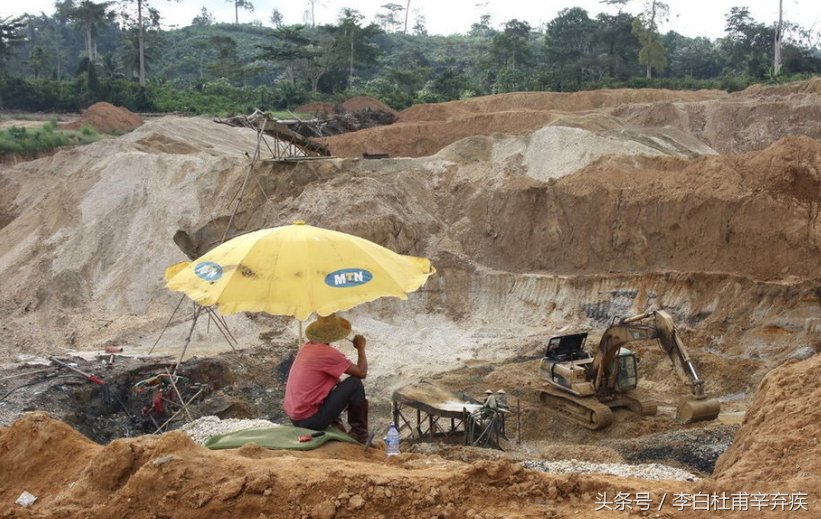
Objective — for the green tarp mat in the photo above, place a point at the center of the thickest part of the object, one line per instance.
(281, 437)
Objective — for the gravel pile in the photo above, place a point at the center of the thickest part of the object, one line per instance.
(645, 471)
(203, 428)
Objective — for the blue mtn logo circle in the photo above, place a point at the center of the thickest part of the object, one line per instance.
(208, 270)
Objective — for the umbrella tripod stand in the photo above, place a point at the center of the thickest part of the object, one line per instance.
(219, 322)
(217, 319)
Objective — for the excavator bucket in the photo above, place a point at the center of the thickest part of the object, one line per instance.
(693, 410)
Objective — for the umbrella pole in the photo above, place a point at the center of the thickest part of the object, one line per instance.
(222, 326)
(300, 333)
(188, 339)
(166, 325)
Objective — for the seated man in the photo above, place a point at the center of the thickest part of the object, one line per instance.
(314, 396)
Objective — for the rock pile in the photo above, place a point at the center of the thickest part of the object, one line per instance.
(644, 471)
(203, 428)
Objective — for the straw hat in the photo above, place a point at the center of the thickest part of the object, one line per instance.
(327, 329)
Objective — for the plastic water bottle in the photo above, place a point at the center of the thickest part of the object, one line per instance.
(392, 440)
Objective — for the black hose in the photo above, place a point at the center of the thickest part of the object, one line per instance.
(27, 384)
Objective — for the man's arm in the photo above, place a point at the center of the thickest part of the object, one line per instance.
(360, 369)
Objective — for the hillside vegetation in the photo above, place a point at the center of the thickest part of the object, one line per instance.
(86, 52)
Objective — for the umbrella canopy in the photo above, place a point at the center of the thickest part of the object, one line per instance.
(297, 270)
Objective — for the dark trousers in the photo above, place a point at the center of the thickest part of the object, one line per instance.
(348, 392)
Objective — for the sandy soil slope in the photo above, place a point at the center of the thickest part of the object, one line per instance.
(744, 121)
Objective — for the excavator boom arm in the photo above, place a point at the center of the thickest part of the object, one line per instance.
(632, 329)
(616, 336)
(674, 348)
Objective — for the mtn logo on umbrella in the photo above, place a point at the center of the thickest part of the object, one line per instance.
(344, 278)
(208, 270)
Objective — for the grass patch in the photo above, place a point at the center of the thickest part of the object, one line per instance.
(26, 140)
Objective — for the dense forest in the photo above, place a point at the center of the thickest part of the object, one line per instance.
(119, 52)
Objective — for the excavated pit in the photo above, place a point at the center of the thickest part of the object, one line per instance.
(612, 209)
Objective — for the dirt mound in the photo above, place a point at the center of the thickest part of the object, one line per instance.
(742, 192)
(169, 475)
(353, 115)
(47, 450)
(809, 86)
(557, 150)
(50, 195)
(106, 118)
(728, 124)
(358, 103)
(777, 447)
(549, 101)
(354, 104)
(427, 138)
(317, 108)
(746, 121)
(425, 129)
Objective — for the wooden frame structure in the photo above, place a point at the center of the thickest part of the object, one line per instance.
(287, 144)
(427, 420)
(424, 411)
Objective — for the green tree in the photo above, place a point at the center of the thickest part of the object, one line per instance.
(240, 4)
(692, 57)
(568, 47)
(321, 48)
(419, 27)
(313, 4)
(291, 47)
(406, 70)
(38, 60)
(110, 66)
(353, 43)
(204, 19)
(145, 13)
(389, 20)
(226, 64)
(652, 55)
(450, 85)
(511, 47)
(482, 28)
(748, 44)
(139, 48)
(618, 4)
(276, 18)
(92, 80)
(304, 53)
(616, 44)
(11, 35)
(407, 12)
(89, 16)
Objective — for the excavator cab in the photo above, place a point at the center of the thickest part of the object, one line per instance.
(628, 376)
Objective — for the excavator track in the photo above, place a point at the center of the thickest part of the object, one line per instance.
(587, 411)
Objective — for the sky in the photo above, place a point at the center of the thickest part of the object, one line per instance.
(688, 17)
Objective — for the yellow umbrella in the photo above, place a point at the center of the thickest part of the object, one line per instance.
(297, 270)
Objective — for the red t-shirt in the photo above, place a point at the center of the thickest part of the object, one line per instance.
(315, 371)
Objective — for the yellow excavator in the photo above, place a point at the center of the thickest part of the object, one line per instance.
(587, 387)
